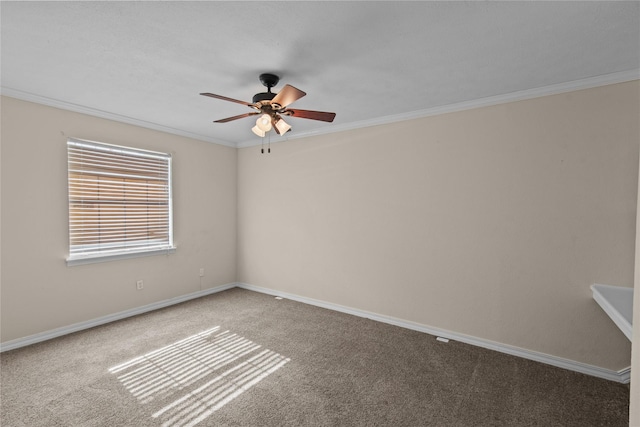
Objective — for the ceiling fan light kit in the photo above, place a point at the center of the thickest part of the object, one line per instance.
(272, 106)
(258, 131)
(282, 127)
(264, 123)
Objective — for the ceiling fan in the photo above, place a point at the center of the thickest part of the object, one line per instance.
(272, 106)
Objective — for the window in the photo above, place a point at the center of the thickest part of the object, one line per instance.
(119, 202)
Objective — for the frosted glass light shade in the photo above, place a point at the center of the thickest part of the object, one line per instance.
(264, 123)
(258, 131)
(282, 127)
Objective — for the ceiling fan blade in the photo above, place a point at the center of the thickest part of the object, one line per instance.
(313, 115)
(287, 95)
(224, 98)
(240, 116)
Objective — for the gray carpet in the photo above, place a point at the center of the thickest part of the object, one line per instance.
(240, 358)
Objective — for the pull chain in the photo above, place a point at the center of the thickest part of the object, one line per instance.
(268, 143)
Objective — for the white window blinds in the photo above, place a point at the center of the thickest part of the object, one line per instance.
(119, 200)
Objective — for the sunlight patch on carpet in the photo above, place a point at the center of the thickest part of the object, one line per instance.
(192, 368)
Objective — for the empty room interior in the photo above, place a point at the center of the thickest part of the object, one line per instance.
(434, 225)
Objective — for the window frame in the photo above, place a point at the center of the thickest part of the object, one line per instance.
(102, 254)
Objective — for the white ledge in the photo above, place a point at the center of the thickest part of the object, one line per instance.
(617, 302)
(81, 260)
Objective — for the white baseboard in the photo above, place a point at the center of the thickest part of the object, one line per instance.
(622, 376)
(54, 333)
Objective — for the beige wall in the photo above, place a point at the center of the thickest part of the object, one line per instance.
(39, 292)
(634, 410)
(490, 222)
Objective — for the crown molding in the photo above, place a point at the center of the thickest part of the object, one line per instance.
(587, 83)
(37, 99)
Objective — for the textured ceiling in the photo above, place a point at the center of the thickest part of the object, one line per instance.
(147, 62)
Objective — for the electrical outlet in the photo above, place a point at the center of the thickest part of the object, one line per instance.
(139, 285)
(202, 272)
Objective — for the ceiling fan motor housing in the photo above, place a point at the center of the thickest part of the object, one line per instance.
(263, 96)
(268, 80)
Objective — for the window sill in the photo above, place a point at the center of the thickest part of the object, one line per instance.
(116, 256)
